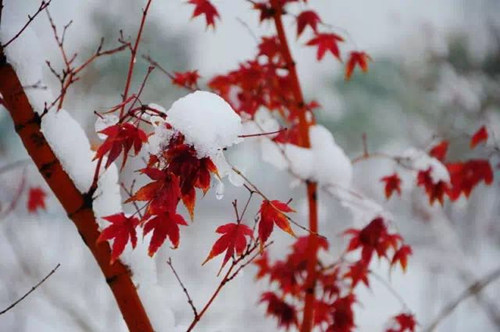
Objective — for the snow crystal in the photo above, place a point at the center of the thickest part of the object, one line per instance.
(325, 162)
(207, 121)
(420, 160)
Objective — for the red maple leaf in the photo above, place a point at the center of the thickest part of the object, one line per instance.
(401, 256)
(343, 314)
(233, 241)
(193, 172)
(392, 184)
(205, 7)
(439, 151)
(284, 312)
(373, 238)
(272, 212)
(358, 272)
(122, 229)
(356, 58)
(480, 136)
(307, 18)
(36, 199)
(266, 10)
(188, 79)
(121, 137)
(466, 175)
(163, 224)
(262, 263)
(406, 322)
(326, 42)
(435, 191)
(162, 194)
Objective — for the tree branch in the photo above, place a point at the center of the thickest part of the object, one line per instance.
(77, 205)
(43, 5)
(473, 289)
(31, 290)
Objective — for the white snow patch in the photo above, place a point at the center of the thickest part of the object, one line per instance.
(325, 162)
(71, 146)
(207, 121)
(23, 55)
(421, 161)
(103, 122)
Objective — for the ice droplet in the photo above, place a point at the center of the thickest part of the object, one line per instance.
(219, 190)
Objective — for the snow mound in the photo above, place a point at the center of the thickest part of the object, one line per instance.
(71, 146)
(207, 121)
(325, 162)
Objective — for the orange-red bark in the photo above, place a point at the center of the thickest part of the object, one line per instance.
(78, 206)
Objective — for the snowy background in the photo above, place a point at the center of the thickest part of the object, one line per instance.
(435, 72)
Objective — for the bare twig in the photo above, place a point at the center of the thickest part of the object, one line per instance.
(473, 289)
(31, 290)
(133, 55)
(43, 5)
(154, 63)
(184, 289)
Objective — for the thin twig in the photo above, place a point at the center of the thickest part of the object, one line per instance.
(474, 288)
(190, 301)
(43, 5)
(390, 289)
(31, 290)
(133, 55)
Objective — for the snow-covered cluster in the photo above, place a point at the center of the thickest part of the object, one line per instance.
(419, 160)
(207, 122)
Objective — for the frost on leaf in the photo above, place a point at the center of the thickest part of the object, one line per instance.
(36, 199)
(233, 241)
(434, 190)
(326, 42)
(273, 212)
(122, 229)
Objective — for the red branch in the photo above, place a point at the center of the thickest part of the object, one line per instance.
(133, 55)
(312, 246)
(77, 205)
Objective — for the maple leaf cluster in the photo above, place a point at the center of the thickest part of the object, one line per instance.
(335, 297)
(464, 175)
(176, 174)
